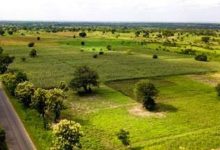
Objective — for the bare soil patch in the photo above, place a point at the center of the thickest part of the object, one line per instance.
(138, 110)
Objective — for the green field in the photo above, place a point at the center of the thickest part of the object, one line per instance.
(188, 109)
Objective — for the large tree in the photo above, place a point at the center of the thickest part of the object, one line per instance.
(67, 135)
(5, 61)
(24, 92)
(55, 98)
(84, 78)
(145, 92)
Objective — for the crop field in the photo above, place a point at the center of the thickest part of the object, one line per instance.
(187, 115)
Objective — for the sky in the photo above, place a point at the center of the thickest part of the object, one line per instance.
(111, 10)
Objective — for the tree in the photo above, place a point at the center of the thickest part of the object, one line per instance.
(31, 44)
(33, 53)
(2, 32)
(123, 136)
(84, 78)
(145, 92)
(39, 102)
(24, 92)
(67, 135)
(55, 98)
(5, 61)
(201, 57)
(137, 33)
(82, 34)
(82, 43)
(206, 39)
(11, 80)
(218, 89)
(109, 47)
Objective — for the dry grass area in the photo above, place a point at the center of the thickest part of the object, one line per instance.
(211, 79)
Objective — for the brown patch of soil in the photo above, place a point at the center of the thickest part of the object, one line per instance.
(138, 110)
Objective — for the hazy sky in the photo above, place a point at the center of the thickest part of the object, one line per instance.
(112, 10)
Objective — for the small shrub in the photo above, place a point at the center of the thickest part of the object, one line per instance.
(109, 47)
(82, 34)
(201, 57)
(23, 59)
(155, 56)
(83, 43)
(31, 44)
(33, 53)
(95, 56)
(101, 53)
(123, 136)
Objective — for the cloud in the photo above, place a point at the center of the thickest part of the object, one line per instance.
(112, 10)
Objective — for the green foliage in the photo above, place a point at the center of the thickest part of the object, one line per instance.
(67, 135)
(205, 39)
(2, 140)
(55, 98)
(82, 34)
(149, 103)
(33, 53)
(201, 57)
(84, 78)
(109, 47)
(10, 82)
(145, 92)
(5, 61)
(155, 56)
(24, 92)
(123, 136)
(145, 89)
(63, 86)
(39, 101)
(31, 44)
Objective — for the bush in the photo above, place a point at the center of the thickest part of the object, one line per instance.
(33, 53)
(31, 44)
(24, 92)
(123, 136)
(201, 57)
(155, 56)
(84, 78)
(5, 61)
(3, 145)
(101, 53)
(109, 47)
(205, 39)
(23, 59)
(95, 56)
(82, 43)
(67, 135)
(218, 89)
(82, 34)
(11, 80)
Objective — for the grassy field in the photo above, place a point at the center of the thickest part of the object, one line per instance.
(188, 109)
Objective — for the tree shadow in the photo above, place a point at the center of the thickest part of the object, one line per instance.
(161, 107)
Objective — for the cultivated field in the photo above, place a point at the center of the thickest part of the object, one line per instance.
(188, 106)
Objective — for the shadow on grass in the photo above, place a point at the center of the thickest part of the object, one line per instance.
(165, 108)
